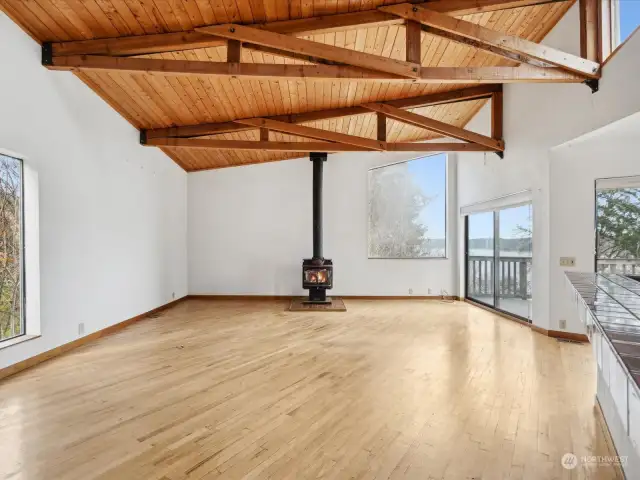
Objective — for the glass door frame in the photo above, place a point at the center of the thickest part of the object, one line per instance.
(496, 266)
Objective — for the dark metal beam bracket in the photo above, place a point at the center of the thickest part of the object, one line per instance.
(593, 84)
(47, 54)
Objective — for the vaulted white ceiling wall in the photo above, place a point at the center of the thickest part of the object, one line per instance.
(112, 214)
(537, 118)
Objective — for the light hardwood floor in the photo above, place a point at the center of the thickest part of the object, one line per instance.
(233, 389)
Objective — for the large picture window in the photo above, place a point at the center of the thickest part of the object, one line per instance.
(617, 221)
(407, 209)
(11, 251)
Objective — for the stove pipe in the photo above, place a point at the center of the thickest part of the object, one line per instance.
(318, 160)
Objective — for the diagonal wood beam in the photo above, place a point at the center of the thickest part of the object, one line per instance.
(314, 133)
(494, 51)
(187, 40)
(436, 126)
(304, 147)
(307, 47)
(458, 8)
(522, 74)
(493, 41)
(461, 95)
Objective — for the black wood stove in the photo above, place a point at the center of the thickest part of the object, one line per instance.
(317, 272)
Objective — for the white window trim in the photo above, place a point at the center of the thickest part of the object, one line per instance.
(615, 25)
(506, 201)
(31, 260)
(617, 182)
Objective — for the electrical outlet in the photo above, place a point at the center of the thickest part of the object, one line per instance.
(563, 324)
(81, 329)
(429, 291)
(411, 291)
(567, 261)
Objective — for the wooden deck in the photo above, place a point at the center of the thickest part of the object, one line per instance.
(236, 389)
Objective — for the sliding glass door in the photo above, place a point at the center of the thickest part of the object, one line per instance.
(499, 255)
(480, 257)
(514, 260)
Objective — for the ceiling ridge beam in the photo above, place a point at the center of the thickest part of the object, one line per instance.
(436, 126)
(190, 39)
(452, 96)
(301, 46)
(494, 41)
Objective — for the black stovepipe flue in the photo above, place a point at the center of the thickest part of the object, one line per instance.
(318, 160)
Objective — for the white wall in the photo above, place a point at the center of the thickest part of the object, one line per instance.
(538, 117)
(112, 214)
(250, 228)
(611, 151)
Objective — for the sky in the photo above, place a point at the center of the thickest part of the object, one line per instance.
(430, 173)
(629, 17)
(481, 224)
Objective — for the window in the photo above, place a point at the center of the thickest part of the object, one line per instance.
(11, 248)
(626, 19)
(407, 209)
(617, 220)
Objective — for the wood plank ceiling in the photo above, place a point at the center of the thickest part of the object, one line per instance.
(150, 101)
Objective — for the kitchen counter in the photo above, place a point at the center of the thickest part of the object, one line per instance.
(609, 308)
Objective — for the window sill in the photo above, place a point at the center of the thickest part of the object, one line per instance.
(14, 341)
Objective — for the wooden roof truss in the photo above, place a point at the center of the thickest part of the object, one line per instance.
(339, 142)
(321, 61)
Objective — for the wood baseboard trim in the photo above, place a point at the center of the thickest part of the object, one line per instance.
(344, 297)
(498, 313)
(398, 297)
(239, 297)
(55, 352)
(576, 337)
(540, 330)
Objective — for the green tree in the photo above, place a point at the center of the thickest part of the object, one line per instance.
(618, 223)
(10, 247)
(395, 204)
